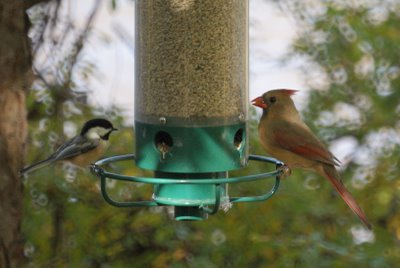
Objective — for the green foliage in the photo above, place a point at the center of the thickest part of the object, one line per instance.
(306, 224)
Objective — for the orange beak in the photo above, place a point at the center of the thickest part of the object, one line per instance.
(259, 102)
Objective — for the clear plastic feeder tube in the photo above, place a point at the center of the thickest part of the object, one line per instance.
(191, 62)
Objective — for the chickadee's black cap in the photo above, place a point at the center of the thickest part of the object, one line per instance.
(97, 122)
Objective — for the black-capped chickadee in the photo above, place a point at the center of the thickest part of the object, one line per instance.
(82, 150)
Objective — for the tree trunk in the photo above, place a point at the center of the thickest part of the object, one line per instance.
(15, 77)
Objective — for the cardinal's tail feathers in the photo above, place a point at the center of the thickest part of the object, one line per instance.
(36, 166)
(333, 176)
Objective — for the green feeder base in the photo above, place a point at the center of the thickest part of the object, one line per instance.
(190, 214)
(178, 149)
(187, 194)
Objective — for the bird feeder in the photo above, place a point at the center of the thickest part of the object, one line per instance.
(191, 102)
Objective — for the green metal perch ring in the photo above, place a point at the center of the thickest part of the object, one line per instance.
(103, 175)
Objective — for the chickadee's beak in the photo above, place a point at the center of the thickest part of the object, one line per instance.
(114, 129)
(259, 102)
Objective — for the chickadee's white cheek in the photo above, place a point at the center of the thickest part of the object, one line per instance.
(96, 132)
(92, 135)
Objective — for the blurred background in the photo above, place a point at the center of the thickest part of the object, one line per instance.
(343, 56)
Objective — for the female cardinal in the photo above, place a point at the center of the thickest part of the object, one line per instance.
(285, 136)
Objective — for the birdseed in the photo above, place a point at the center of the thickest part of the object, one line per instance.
(191, 60)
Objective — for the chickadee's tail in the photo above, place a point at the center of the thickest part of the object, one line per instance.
(36, 166)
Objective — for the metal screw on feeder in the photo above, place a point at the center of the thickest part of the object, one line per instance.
(191, 102)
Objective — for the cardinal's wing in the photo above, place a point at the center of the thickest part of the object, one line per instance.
(300, 140)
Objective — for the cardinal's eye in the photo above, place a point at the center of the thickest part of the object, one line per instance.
(272, 99)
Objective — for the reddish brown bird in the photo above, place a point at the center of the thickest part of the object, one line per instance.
(286, 137)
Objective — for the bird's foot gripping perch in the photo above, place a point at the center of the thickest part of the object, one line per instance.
(286, 171)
